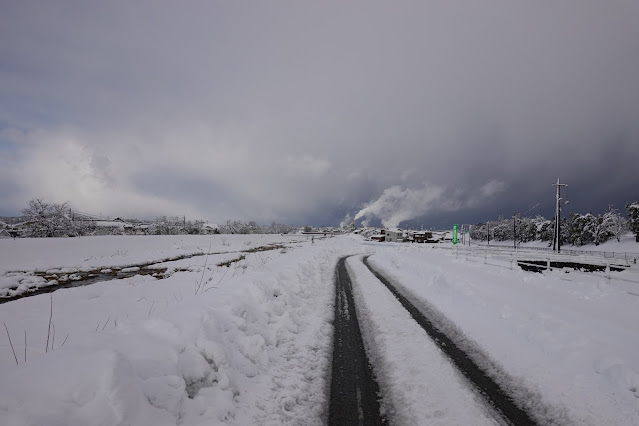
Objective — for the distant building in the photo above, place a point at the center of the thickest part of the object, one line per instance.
(142, 229)
(113, 226)
(424, 237)
(394, 235)
(210, 228)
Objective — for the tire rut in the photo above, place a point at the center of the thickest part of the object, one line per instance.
(354, 393)
(496, 397)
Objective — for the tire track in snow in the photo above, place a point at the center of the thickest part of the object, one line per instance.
(503, 404)
(354, 393)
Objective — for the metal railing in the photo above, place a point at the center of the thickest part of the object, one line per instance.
(507, 257)
(631, 256)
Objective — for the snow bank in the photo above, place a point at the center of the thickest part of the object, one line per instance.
(252, 349)
(77, 387)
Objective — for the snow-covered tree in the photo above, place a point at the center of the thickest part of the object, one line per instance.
(545, 228)
(503, 229)
(193, 227)
(598, 228)
(565, 229)
(168, 225)
(478, 232)
(47, 219)
(276, 228)
(526, 229)
(633, 218)
(617, 224)
(84, 227)
(251, 227)
(574, 230)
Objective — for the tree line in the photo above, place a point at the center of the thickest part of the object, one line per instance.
(44, 219)
(577, 229)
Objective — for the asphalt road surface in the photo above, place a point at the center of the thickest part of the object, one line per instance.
(354, 398)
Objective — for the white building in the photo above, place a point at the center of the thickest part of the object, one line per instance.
(210, 228)
(394, 235)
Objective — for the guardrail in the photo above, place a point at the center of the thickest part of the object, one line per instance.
(511, 258)
(631, 256)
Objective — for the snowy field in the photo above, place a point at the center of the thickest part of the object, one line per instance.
(241, 333)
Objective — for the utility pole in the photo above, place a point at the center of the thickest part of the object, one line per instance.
(488, 231)
(557, 219)
(514, 232)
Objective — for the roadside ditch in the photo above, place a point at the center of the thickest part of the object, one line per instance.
(56, 279)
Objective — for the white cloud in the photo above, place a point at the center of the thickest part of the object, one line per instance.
(306, 165)
(60, 167)
(492, 188)
(298, 112)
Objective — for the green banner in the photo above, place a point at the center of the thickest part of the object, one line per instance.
(454, 234)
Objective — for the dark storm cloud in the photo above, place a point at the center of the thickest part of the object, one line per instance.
(298, 112)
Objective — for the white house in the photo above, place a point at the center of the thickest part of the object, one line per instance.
(394, 235)
(112, 226)
(210, 228)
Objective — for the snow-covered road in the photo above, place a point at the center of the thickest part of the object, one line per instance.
(255, 347)
(572, 341)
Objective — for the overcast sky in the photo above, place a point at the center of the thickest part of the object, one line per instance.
(423, 112)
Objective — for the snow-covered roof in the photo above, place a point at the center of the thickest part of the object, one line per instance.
(395, 230)
(112, 224)
(15, 225)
